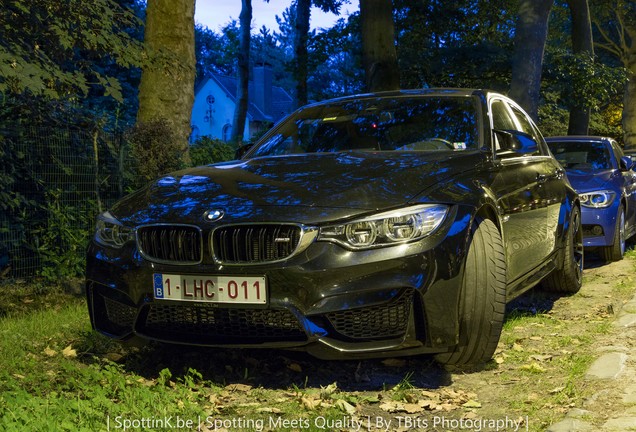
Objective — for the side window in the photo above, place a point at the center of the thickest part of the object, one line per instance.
(528, 127)
(501, 117)
(525, 124)
(618, 152)
(500, 120)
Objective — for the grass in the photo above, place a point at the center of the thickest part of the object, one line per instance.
(57, 374)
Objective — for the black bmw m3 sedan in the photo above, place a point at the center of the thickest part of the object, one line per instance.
(373, 225)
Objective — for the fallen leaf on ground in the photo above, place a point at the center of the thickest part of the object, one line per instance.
(471, 404)
(69, 352)
(327, 391)
(310, 403)
(269, 410)
(345, 406)
(113, 356)
(49, 352)
(428, 404)
(392, 407)
(430, 395)
(294, 367)
(557, 390)
(533, 367)
(238, 387)
(412, 408)
(540, 357)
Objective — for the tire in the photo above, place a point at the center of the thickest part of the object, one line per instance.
(569, 276)
(616, 251)
(482, 299)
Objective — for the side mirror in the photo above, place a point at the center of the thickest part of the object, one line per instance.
(240, 152)
(516, 141)
(626, 163)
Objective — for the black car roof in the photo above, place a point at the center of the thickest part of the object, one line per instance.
(578, 138)
(438, 91)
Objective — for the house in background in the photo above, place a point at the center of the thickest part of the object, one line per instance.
(215, 99)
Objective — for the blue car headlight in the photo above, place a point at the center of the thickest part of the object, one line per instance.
(597, 199)
(387, 228)
(110, 232)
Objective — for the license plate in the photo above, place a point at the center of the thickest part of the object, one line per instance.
(213, 289)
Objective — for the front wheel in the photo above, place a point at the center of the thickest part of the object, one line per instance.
(569, 276)
(616, 250)
(483, 299)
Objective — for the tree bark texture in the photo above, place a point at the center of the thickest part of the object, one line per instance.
(166, 90)
(527, 62)
(629, 99)
(243, 73)
(379, 56)
(301, 56)
(582, 43)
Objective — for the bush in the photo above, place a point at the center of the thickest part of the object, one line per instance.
(62, 243)
(154, 150)
(207, 150)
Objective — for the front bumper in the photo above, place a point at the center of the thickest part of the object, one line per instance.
(329, 301)
(599, 225)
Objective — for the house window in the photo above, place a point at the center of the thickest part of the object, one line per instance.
(227, 132)
(194, 134)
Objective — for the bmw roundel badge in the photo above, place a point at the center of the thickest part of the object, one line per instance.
(213, 215)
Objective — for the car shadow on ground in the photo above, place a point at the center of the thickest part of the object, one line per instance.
(538, 301)
(279, 369)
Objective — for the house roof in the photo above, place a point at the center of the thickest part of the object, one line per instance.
(281, 102)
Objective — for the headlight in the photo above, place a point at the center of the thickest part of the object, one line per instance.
(597, 199)
(386, 229)
(110, 232)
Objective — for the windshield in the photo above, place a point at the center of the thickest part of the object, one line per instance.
(584, 155)
(431, 123)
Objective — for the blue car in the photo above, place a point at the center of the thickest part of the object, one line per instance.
(606, 183)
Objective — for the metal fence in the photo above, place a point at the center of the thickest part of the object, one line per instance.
(61, 178)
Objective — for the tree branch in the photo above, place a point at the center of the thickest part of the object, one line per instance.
(610, 46)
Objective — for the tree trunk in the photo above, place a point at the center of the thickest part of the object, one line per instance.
(301, 56)
(378, 45)
(166, 90)
(629, 100)
(582, 43)
(527, 61)
(240, 109)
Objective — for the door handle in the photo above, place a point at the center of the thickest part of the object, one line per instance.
(557, 174)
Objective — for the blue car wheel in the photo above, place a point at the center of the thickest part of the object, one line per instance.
(616, 250)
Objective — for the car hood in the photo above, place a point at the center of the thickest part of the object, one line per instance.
(587, 181)
(304, 188)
